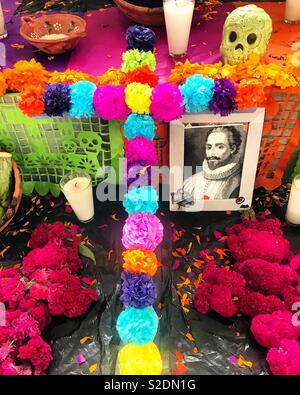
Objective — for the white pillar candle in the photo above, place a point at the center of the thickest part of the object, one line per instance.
(77, 188)
(178, 18)
(293, 209)
(292, 11)
(3, 32)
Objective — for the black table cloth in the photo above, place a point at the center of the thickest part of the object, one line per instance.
(211, 340)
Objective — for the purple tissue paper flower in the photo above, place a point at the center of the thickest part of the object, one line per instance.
(138, 290)
(57, 99)
(141, 38)
(223, 101)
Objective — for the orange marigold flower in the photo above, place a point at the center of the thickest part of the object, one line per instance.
(112, 76)
(25, 73)
(31, 101)
(140, 261)
(211, 70)
(254, 68)
(182, 71)
(3, 84)
(70, 77)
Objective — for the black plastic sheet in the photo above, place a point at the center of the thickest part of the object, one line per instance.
(215, 339)
(31, 6)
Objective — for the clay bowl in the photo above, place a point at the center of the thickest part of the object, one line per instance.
(16, 199)
(142, 15)
(32, 29)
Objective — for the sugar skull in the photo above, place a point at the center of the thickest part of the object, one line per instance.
(246, 30)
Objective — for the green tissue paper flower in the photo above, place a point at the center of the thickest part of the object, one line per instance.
(134, 58)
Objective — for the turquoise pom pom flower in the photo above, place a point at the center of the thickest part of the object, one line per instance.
(82, 94)
(137, 326)
(139, 125)
(142, 199)
(197, 93)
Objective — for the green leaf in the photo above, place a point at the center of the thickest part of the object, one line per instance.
(29, 284)
(85, 251)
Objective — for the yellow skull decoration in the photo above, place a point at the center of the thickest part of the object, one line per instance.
(246, 30)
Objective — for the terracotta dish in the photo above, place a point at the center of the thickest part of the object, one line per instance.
(16, 199)
(32, 29)
(142, 15)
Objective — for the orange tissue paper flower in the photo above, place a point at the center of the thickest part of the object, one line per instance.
(250, 95)
(143, 75)
(31, 102)
(25, 73)
(140, 261)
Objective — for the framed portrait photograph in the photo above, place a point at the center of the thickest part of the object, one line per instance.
(213, 160)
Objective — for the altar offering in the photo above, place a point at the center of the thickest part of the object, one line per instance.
(53, 33)
(5, 180)
(53, 36)
(3, 32)
(178, 18)
(293, 210)
(77, 188)
(246, 30)
(292, 11)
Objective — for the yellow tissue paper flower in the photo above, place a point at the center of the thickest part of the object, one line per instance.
(140, 360)
(138, 97)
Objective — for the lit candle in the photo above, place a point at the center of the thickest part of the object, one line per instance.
(77, 188)
(178, 18)
(3, 32)
(292, 11)
(293, 209)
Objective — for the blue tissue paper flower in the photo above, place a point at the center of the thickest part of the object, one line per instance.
(137, 326)
(197, 93)
(139, 125)
(142, 199)
(82, 94)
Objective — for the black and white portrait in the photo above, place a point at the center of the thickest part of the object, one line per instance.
(217, 161)
(215, 154)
